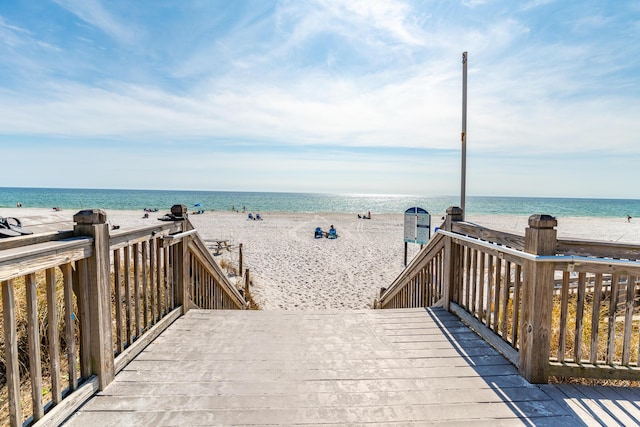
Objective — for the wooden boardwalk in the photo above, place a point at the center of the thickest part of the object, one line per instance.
(369, 367)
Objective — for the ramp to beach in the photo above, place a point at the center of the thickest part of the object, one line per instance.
(374, 367)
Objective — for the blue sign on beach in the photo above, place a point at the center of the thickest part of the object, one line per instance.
(417, 226)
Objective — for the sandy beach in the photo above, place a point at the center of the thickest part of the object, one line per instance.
(292, 270)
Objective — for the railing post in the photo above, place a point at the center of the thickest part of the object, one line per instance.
(537, 299)
(452, 263)
(93, 223)
(181, 261)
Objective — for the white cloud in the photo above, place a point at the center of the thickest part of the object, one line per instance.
(12, 35)
(374, 76)
(94, 13)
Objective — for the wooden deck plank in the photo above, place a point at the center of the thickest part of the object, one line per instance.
(606, 409)
(260, 365)
(301, 374)
(301, 400)
(373, 367)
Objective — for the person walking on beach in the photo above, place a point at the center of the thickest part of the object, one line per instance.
(628, 218)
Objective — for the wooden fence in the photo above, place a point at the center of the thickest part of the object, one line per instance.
(566, 308)
(105, 297)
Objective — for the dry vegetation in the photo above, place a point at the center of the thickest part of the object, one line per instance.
(23, 346)
(232, 272)
(604, 317)
(603, 327)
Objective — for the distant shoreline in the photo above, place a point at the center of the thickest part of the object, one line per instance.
(274, 202)
(292, 270)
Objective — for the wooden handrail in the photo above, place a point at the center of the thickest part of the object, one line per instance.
(145, 284)
(417, 263)
(33, 239)
(121, 238)
(24, 260)
(509, 284)
(598, 249)
(499, 237)
(199, 250)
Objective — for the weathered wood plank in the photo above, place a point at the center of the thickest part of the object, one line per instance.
(35, 239)
(53, 337)
(145, 284)
(497, 292)
(33, 337)
(117, 284)
(360, 375)
(69, 325)
(11, 352)
(136, 289)
(564, 307)
(602, 268)
(128, 304)
(517, 292)
(577, 346)
(124, 238)
(628, 319)
(611, 339)
(153, 283)
(595, 318)
(83, 308)
(514, 241)
(587, 370)
(598, 249)
(23, 261)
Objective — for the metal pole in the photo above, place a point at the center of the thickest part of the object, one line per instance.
(405, 253)
(464, 135)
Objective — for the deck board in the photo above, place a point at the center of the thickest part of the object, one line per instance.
(373, 367)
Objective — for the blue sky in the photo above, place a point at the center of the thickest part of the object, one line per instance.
(348, 96)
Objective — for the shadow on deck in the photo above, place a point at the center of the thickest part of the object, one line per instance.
(406, 366)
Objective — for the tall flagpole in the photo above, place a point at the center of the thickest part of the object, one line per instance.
(464, 135)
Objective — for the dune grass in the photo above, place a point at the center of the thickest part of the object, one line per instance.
(23, 346)
(603, 307)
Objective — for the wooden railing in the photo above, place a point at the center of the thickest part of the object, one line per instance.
(88, 302)
(420, 284)
(564, 308)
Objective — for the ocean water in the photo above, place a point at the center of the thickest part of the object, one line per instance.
(309, 202)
